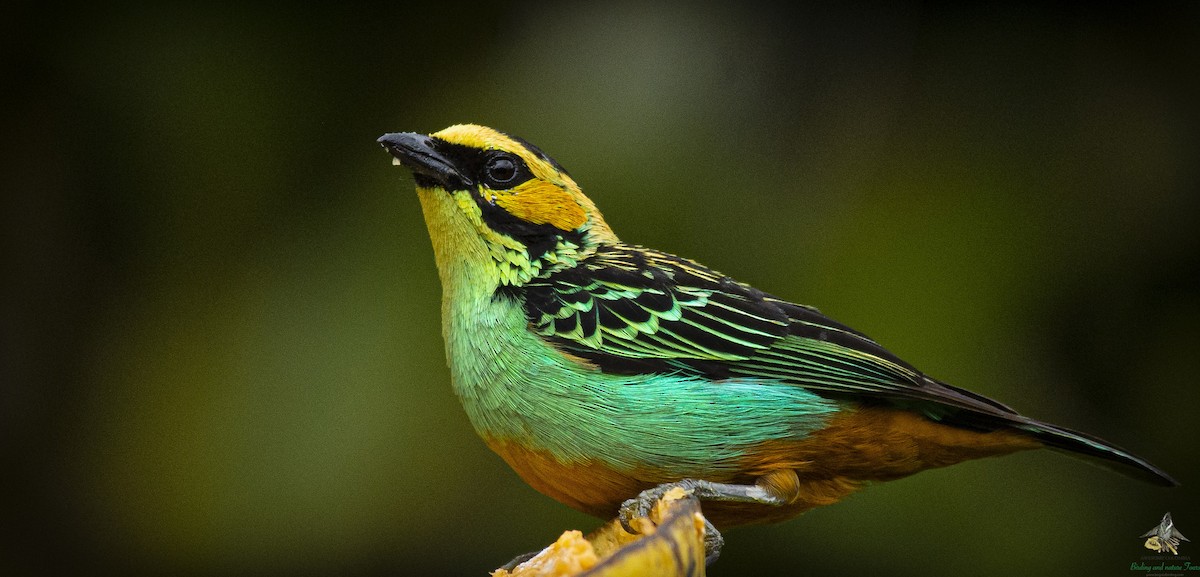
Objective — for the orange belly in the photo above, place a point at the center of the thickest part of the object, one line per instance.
(856, 447)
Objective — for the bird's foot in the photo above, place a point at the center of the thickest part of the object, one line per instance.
(640, 506)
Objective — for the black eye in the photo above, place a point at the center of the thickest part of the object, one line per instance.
(501, 170)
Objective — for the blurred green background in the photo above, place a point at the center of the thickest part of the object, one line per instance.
(221, 339)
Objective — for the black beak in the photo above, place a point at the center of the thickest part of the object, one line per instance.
(419, 153)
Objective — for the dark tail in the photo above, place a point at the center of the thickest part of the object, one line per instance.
(1096, 451)
(987, 414)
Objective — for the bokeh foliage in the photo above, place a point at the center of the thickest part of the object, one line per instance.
(221, 344)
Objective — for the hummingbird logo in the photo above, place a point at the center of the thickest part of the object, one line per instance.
(1165, 537)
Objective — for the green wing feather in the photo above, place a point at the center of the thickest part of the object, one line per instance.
(632, 310)
(635, 310)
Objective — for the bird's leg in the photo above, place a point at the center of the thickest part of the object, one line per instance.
(774, 489)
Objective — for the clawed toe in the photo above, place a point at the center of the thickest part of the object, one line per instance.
(519, 559)
(641, 506)
(713, 542)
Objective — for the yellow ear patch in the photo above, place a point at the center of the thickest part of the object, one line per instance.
(541, 202)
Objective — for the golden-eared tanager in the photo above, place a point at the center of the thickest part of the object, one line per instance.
(605, 372)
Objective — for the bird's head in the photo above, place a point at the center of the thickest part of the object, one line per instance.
(497, 204)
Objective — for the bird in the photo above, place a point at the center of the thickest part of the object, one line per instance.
(605, 373)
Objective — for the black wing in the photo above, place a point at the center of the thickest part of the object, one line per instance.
(631, 310)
